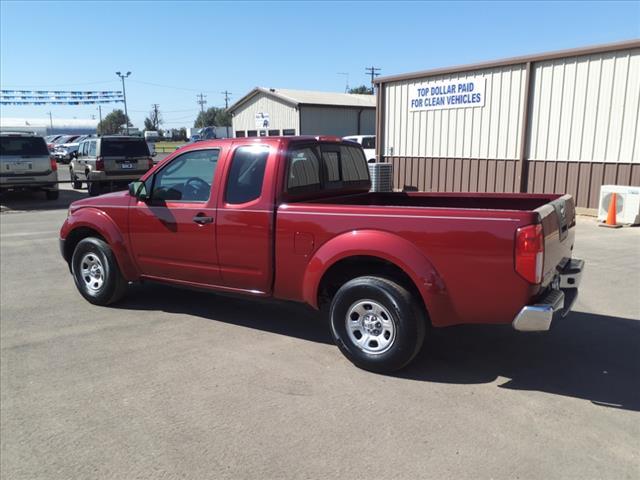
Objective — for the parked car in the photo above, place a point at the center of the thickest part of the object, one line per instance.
(368, 143)
(25, 164)
(293, 218)
(64, 153)
(109, 161)
(62, 139)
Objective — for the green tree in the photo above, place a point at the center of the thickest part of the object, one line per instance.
(153, 121)
(213, 117)
(362, 90)
(112, 122)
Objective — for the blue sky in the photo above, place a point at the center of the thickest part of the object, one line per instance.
(178, 49)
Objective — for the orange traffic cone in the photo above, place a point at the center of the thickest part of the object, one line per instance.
(611, 214)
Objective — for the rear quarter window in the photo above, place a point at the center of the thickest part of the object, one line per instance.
(23, 146)
(124, 148)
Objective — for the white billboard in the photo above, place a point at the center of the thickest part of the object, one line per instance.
(462, 93)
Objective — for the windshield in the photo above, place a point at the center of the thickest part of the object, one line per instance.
(369, 142)
(119, 147)
(23, 146)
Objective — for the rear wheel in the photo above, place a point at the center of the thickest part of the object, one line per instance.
(52, 194)
(94, 188)
(77, 184)
(96, 273)
(377, 324)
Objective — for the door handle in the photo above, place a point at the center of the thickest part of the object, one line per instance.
(202, 220)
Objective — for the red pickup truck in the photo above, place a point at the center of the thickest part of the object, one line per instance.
(292, 218)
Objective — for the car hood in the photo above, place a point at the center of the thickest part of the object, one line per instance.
(115, 199)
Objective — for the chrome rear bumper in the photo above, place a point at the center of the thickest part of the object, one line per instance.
(557, 301)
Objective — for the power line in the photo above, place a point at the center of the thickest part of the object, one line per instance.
(374, 72)
(226, 98)
(201, 100)
(346, 88)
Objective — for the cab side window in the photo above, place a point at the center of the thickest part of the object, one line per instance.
(187, 178)
(92, 149)
(246, 174)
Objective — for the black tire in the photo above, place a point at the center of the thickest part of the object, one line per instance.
(77, 184)
(52, 194)
(406, 315)
(113, 286)
(94, 188)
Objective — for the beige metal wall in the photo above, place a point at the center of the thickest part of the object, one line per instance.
(580, 131)
(340, 121)
(281, 114)
(585, 109)
(485, 132)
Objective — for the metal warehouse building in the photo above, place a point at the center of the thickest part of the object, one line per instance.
(558, 122)
(272, 112)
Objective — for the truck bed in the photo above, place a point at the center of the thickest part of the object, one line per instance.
(469, 240)
(484, 201)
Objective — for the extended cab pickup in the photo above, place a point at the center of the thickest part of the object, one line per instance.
(292, 218)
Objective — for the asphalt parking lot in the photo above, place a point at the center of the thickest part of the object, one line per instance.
(178, 384)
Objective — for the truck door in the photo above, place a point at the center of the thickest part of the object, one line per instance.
(245, 219)
(173, 232)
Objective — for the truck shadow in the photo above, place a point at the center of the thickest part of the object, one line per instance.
(587, 356)
(25, 201)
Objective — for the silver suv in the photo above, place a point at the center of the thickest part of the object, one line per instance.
(109, 161)
(25, 164)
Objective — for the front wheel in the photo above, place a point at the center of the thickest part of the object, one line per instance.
(96, 273)
(377, 324)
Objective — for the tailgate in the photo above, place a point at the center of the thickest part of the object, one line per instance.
(558, 219)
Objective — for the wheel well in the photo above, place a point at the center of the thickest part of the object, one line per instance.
(74, 238)
(352, 267)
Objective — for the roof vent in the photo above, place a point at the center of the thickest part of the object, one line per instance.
(272, 90)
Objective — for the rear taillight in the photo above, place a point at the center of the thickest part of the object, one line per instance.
(54, 164)
(530, 253)
(150, 163)
(100, 164)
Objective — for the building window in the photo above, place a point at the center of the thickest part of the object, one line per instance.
(263, 133)
(274, 133)
(288, 132)
(252, 133)
(239, 133)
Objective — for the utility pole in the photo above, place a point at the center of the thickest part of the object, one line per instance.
(124, 94)
(51, 122)
(374, 72)
(156, 119)
(226, 99)
(346, 87)
(201, 100)
(100, 116)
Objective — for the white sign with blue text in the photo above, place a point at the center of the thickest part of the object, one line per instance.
(462, 93)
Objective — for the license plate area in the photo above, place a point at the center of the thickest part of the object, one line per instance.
(127, 166)
(19, 166)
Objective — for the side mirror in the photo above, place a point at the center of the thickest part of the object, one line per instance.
(154, 153)
(75, 154)
(138, 190)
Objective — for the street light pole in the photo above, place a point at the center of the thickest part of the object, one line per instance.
(124, 94)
